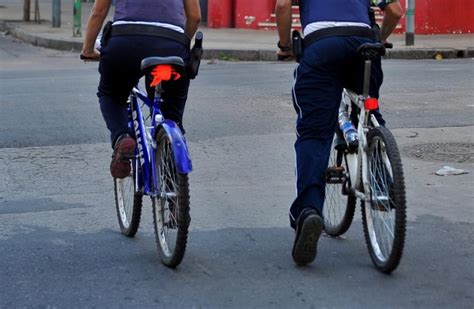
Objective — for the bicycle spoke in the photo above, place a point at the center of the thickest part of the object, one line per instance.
(338, 210)
(168, 188)
(381, 210)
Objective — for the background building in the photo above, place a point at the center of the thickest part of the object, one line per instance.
(431, 16)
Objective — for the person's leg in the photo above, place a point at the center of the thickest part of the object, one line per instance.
(115, 116)
(118, 74)
(175, 93)
(174, 100)
(117, 77)
(316, 98)
(353, 79)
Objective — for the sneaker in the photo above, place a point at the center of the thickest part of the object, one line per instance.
(308, 230)
(123, 151)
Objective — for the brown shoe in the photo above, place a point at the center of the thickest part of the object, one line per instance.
(123, 151)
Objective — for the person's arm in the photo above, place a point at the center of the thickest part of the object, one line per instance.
(283, 18)
(393, 12)
(193, 17)
(94, 24)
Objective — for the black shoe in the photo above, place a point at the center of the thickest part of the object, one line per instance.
(308, 230)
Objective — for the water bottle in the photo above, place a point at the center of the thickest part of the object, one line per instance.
(348, 130)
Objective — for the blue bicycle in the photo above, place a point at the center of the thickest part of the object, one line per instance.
(160, 166)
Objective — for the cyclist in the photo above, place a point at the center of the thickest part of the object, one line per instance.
(141, 28)
(333, 30)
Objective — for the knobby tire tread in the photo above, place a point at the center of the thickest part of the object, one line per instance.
(184, 217)
(136, 214)
(398, 194)
(345, 223)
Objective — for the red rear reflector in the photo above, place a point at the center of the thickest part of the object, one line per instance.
(163, 72)
(371, 104)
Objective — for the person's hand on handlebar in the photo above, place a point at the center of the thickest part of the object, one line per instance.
(90, 55)
(285, 55)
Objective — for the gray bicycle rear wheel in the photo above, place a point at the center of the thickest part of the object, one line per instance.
(339, 205)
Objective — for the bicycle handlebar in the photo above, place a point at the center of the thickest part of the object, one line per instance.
(198, 39)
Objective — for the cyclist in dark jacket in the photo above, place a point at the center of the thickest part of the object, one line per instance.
(147, 28)
(327, 65)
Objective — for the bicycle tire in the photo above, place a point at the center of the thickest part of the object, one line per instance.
(128, 209)
(387, 202)
(171, 206)
(339, 207)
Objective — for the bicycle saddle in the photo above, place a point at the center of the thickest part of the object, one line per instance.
(150, 62)
(371, 50)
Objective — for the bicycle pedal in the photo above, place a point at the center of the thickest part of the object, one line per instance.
(128, 156)
(335, 174)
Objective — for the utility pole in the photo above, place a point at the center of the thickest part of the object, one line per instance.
(410, 23)
(26, 10)
(56, 13)
(77, 19)
(37, 12)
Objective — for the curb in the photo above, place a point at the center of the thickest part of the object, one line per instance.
(241, 55)
(430, 53)
(37, 40)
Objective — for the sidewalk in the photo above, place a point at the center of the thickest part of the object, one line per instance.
(224, 44)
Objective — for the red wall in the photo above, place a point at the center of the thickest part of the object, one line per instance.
(431, 16)
(248, 13)
(443, 16)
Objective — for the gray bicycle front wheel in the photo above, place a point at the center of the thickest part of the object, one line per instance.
(384, 211)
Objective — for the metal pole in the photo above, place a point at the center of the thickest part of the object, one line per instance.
(26, 10)
(77, 19)
(410, 23)
(56, 13)
(37, 12)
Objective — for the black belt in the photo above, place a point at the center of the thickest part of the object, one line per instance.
(130, 29)
(338, 31)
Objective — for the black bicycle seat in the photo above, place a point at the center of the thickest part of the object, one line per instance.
(371, 50)
(151, 62)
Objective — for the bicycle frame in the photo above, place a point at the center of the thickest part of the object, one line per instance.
(357, 162)
(145, 171)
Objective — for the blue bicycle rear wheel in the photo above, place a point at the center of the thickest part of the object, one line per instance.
(171, 216)
(128, 204)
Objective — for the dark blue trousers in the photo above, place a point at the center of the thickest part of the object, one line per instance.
(120, 71)
(326, 67)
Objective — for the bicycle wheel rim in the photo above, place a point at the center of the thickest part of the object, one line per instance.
(125, 192)
(380, 214)
(167, 202)
(339, 207)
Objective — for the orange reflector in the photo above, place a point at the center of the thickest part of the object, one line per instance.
(371, 104)
(163, 72)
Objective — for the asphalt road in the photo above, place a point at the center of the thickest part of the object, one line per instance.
(59, 238)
